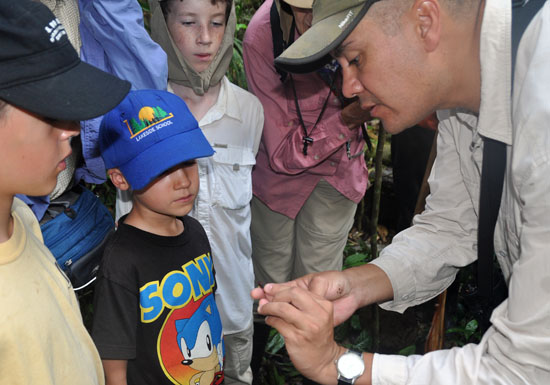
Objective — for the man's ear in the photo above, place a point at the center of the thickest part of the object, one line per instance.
(427, 14)
(118, 179)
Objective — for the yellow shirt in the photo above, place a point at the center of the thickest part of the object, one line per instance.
(42, 337)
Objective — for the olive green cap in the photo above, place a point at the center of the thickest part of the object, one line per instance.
(333, 21)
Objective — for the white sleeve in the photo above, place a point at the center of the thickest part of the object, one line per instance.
(423, 260)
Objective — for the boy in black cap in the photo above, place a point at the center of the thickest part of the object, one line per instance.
(44, 90)
(155, 317)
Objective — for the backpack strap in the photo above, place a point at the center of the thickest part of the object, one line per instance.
(523, 12)
(277, 37)
(494, 165)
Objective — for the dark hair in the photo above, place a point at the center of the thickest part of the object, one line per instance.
(165, 6)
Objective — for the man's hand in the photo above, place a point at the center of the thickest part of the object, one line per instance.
(305, 320)
(348, 290)
(330, 285)
(305, 311)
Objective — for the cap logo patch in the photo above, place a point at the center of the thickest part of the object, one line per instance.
(56, 30)
(149, 119)
(346, 20)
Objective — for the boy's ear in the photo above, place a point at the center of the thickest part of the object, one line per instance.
(118, 179)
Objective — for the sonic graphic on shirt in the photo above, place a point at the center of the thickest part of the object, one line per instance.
(190, 345)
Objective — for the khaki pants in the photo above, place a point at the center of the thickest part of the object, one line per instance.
(238, 354)
(284, 249)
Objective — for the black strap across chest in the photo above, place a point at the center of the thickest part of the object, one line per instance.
(494, 164)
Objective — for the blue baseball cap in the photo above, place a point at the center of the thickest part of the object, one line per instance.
(149, 132)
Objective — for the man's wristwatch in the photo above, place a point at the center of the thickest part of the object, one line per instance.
(350, 366)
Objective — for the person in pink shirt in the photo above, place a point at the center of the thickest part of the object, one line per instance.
(310, 170)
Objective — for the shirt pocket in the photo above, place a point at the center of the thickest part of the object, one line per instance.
(233, 173)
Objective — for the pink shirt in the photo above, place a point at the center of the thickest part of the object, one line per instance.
(283, 177)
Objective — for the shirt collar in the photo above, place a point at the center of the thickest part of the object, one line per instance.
(227, 104)
(495, 113)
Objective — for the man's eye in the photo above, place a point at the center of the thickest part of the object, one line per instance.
(354, 61)
(188, 23)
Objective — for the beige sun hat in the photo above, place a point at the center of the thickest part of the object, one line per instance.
(300, 3)
(333, 21)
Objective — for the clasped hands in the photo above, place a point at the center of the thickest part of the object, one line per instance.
(305, 311)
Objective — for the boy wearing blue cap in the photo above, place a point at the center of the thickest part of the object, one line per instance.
(155, 317)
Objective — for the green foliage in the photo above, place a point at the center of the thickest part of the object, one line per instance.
(277, 367)
(462, 323)
(356, 259)
(146, 14)
(106, 193)
(353, 335)
(275, 343)
(245, 9)
(407, 350)
(462, 335)
(235, 72)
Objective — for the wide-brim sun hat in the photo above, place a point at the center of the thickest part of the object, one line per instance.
(333, 21)
(41, 72)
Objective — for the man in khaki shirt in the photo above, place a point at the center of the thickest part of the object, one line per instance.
(404, 59)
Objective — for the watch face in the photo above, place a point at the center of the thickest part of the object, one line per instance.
(350, 365)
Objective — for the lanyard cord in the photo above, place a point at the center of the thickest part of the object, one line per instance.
(363, 125)
(307, 139)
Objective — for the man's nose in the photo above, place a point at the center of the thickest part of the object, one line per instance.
(351, 86)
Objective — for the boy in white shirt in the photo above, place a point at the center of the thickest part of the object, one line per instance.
(197, 36)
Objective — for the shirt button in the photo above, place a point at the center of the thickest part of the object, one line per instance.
(289, 124)
(316, 157)
(341, 136)
(333, 164)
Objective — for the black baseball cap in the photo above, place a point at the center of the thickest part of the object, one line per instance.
(41, 72)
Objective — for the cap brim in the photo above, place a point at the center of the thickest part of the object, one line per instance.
(79, 93)
(162, 156)
(320, 40)
(300, 3)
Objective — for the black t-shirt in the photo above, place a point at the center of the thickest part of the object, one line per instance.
(154, 306)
